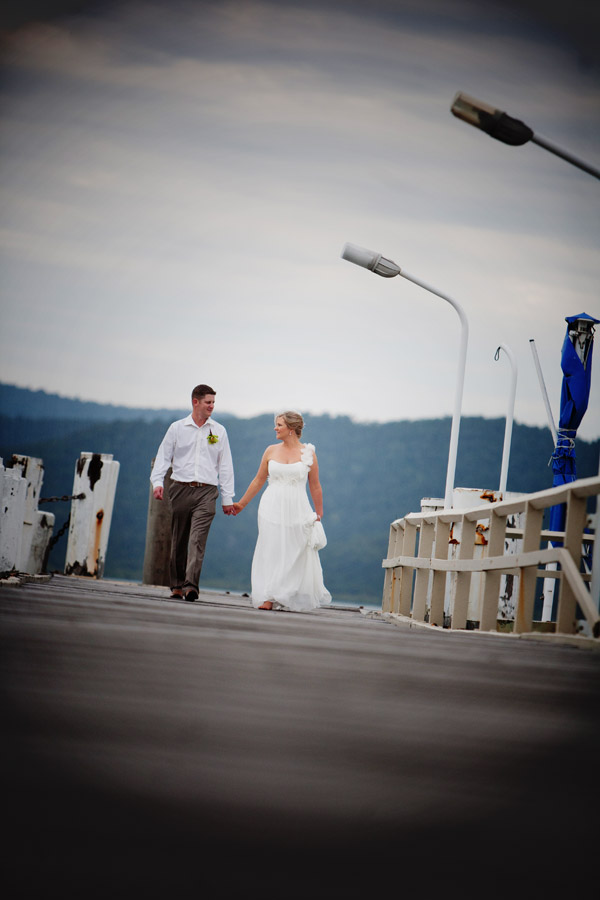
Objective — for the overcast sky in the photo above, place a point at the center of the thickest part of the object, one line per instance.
(178, 180)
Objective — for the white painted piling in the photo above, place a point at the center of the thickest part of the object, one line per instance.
(13, 490)
(37, 526)
(96, 477)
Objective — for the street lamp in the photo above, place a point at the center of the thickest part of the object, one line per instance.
(509, 416)
(377, 263)
(503, 127)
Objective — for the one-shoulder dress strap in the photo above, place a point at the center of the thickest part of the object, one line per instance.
(306, 455)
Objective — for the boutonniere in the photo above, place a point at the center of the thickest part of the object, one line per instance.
(212, 438)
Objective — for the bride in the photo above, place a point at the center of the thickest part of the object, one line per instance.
(286, 570)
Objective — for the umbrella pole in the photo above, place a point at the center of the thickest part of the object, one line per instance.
(549, 583)
(595, 585)
(538, 368)
(509, 418)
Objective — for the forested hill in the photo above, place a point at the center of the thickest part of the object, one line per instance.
(16, 401)
(371, 475)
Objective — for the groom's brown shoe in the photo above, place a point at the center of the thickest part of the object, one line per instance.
(191, 594)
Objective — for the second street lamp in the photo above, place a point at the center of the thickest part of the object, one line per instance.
(509, 417)
(388, 269)
(503, 127)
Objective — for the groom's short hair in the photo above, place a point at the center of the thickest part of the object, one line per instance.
(201, 390)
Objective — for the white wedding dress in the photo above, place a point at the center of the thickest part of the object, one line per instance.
(285, 569)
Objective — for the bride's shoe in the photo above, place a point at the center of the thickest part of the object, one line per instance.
(268, 604)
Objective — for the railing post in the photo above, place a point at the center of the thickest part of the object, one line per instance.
(528, 576)
(395, 541)
(402, 596)
(36, 526)
(462, 580)
(509, 582)
(13, 490)
(467, 499)
(426, 536)
(491, 588)
(438, 587)
(574, 525)
(96, 477)
(388, 579)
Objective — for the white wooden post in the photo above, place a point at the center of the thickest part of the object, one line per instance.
(491, 584)
(509, 583)
(431, 504)
(574, 525)
(426, 536)
(37, 526)
(395, 540)
(438, 579)
(528, 577)
(467, 498)
(461, 583)
(402, 595)
(96, 477)
(13, 489)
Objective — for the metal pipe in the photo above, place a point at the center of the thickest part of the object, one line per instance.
(551, 424)
(548, 582)
(595, 585)
(509, 416)
(564, 154)
(460, 381)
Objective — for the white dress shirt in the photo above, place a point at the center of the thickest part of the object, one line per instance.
(186, 447)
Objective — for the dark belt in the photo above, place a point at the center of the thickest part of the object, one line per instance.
(199, 484)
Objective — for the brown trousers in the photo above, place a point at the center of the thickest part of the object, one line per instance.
(192, 511)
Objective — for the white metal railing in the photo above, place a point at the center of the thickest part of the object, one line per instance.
(428, 572)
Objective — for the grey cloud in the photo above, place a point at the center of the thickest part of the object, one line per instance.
(155, 165)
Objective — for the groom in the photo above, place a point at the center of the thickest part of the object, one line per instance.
(198, 449)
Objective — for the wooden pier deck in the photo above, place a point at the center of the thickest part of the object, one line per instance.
(162, 748)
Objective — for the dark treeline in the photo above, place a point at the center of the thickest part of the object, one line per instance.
(16, 402)
(371, 475)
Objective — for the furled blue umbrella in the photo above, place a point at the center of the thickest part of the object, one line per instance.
(576, 364)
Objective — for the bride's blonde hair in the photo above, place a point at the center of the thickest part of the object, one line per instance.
(292, 419)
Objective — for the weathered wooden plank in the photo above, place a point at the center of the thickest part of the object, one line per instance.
(167, 748)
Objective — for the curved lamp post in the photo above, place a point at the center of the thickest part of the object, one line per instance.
(509, 416)
(503, 127)
(377, 263)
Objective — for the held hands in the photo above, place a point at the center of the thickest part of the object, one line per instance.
(229, 510)
(233, 510)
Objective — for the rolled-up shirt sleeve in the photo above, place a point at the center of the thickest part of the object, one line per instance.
(226, 477)
(164, 458)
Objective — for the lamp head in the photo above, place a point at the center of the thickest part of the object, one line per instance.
(493, 121)
(369, 259)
